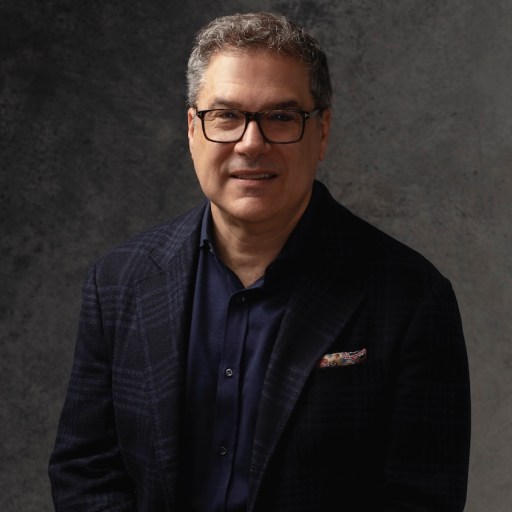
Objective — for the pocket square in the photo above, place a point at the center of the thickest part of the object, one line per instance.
(342, 358)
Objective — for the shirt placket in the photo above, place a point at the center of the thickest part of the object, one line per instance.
(228, 388)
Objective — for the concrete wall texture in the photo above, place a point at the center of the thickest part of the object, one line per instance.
(93, 150)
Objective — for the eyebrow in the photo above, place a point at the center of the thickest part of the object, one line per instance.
(280, 105)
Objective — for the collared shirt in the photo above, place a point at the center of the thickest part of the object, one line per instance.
(232, 335)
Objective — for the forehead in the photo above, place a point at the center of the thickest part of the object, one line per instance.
(255, 80)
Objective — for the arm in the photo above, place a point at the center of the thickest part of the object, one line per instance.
(428, 456)
(86, 468)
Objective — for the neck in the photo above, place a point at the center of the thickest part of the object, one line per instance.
(248, 249)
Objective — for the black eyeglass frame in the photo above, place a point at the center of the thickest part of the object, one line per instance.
(255, 116)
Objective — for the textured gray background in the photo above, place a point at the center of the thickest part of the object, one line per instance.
(93, 150)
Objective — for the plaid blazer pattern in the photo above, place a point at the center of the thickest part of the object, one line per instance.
(386, 434)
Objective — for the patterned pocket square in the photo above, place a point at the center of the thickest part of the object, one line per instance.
(342, 359)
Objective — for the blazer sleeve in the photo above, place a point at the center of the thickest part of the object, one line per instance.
(86, 468)
(428, 455)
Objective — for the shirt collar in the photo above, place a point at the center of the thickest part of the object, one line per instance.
(300, 241)
(206, 238)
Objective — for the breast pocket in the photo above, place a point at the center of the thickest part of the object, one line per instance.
(345, 400)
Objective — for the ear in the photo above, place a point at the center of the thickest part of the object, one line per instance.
(191, 120)
(325, 130)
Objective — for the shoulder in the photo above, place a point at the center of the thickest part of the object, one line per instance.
(150, 251)
(372, 252)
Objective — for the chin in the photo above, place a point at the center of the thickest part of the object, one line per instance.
(253, 216)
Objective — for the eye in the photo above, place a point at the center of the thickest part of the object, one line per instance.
(225, 115)
(282, 116)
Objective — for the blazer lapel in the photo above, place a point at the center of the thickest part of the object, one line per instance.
(163, 307)
(315, 317)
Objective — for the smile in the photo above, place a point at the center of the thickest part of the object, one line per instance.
(254, 176)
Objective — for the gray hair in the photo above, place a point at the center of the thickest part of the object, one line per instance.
(259, 31)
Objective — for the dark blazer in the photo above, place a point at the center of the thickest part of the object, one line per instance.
(390, 433)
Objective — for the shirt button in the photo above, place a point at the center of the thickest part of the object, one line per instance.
(240, 299)
(223, 450)
(229, 372)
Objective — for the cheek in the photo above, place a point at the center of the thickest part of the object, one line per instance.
(307, 160)
(208, 161)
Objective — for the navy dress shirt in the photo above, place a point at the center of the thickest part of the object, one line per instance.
(232, 335)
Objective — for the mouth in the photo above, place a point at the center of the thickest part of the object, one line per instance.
(255, 176)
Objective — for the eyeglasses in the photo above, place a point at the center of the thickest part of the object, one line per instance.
(276, 126)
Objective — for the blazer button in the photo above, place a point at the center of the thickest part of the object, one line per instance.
(223, 450)
(229, 372)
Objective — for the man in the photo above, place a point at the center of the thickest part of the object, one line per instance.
(267, 351)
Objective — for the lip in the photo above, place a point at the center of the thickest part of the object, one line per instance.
(253, 175)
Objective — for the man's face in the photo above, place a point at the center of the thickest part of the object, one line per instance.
(254, 182)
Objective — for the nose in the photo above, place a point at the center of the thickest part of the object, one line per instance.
(253, 142)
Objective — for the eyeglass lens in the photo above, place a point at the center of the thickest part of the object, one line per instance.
(281, 126)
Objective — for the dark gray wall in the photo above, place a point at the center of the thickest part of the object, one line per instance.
(93, 149)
